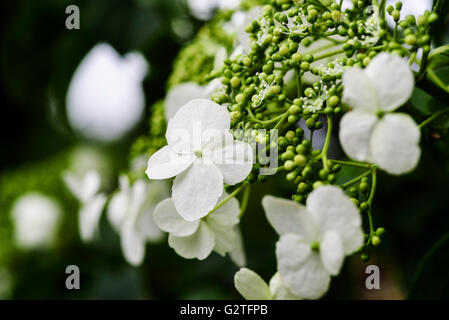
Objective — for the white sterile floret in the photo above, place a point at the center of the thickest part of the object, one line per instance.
(252, 287)
(202, 154)
(130, 211)
(314, 239)
(217, 232)
(370, 132)
(181, 94)
(36, 220)
(105, 99)
(85, 189)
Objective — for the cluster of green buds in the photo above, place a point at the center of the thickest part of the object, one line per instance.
(293, 71)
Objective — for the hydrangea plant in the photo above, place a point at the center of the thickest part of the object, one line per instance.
(273, 84)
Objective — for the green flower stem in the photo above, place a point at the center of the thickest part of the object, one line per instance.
(232, 195)
(284, 116)
(371, 198)
(355, 180)
(264, 122)
(328, 54)
(433, 117)
(327, 46)
(412, 58)
(327, 142)
(439, 6)
(245, 200)
(433, 77)
(425, 59)
(383, 3)
(352, 164)
(298, 84)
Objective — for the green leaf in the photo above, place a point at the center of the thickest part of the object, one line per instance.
(442, 122)
(439, 57)
(425, 103)
(431, 280)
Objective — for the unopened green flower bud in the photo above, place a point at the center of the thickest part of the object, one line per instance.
(375, 240)
(235, 82)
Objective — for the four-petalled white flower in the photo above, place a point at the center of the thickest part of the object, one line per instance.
(252, 287)
(85, 189)
(130, 212)
(202, 154)
(371, 132)
(217, 232)
(314, 239)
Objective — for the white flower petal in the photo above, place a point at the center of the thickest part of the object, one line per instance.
(195, 192)
(279, 290)
(220, 57)
(243, 38)
(85, 187)
(395, 144)
(331, 250)
(180, 95)
(89, 216)
(237, 254)
(168, 219)
(331, 209)
(165, 164)
(301, 270)
(235, 161)
(225, 238)
(286, 216)
(198, 245)
(146, 226)
(133, 245)
(356, 128)
(195, 118)
(359, 91)
(251, 286)
(117, 208)
(393, 80)
(227, 214)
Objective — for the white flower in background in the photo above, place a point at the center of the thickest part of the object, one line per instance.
(181, 94)
(85, 189)
(204, 9)
(217, 232)
(130, 211)
(240, 20)
(314, 239)
(415, 7)
(371, 132)
(105, 98)
(202, 154)
(36, 220)
(252, 287)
